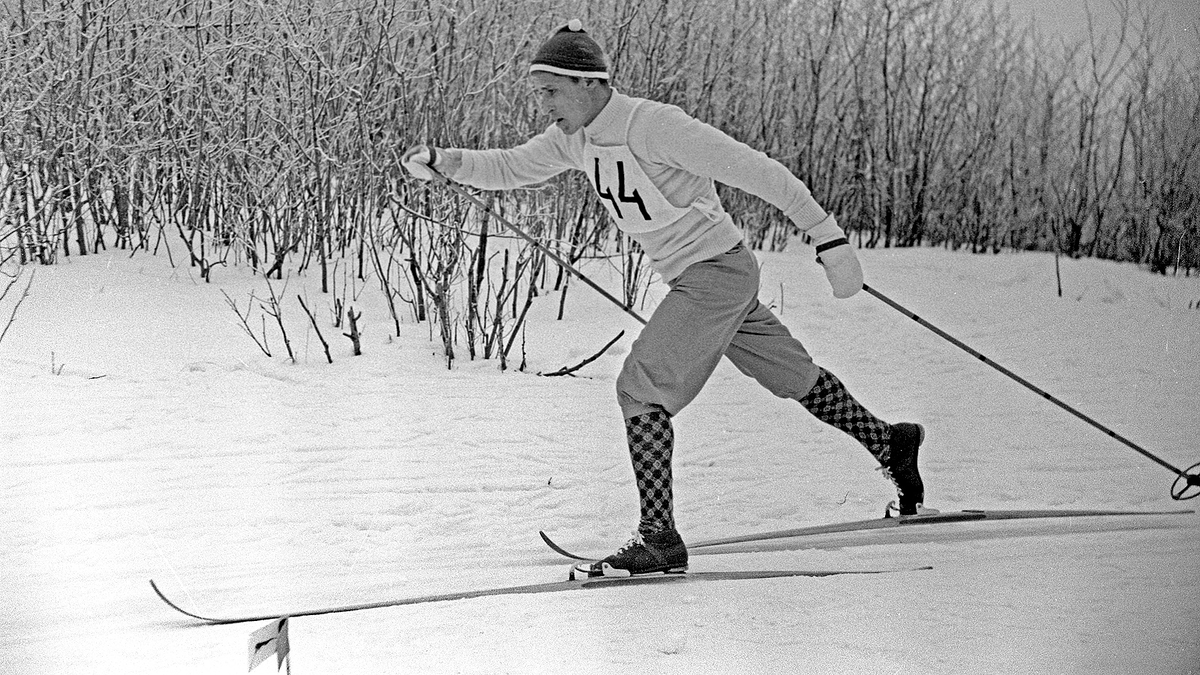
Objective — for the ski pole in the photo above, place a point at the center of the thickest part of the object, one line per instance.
(1189, 479)
(537, 244)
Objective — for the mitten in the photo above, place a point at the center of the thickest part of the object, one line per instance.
(835, 254)
(421, 161)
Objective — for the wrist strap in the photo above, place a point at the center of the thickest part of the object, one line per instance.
(840, 241)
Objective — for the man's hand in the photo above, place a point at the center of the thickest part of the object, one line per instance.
(837, 257)
(421, 161)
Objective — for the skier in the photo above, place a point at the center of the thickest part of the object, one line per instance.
(653, 167)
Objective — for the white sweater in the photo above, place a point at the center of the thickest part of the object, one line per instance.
(681, 155)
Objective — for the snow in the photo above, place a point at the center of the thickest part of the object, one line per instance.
(145, 436)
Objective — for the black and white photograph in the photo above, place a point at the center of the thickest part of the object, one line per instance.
(655, 337)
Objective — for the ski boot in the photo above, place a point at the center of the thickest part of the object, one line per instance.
(901, 469)
(660, 552)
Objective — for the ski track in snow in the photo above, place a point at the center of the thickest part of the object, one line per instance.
(145, 436)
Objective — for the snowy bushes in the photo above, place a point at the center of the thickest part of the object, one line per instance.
(230, 132)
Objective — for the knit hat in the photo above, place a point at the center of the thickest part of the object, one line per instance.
(571, 52)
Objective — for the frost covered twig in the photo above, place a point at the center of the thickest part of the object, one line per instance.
(570, 371)
(313, 319)
(245, 321)
(355, 336)
(275, 309)
(12, 317)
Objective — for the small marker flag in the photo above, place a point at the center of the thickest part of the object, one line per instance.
(270, 639)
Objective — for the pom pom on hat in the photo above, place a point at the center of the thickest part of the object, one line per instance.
(571, 52)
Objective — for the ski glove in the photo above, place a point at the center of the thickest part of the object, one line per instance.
(421, 161)
(835, 254)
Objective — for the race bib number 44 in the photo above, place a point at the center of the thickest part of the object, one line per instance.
(622, 197)
(628, 194)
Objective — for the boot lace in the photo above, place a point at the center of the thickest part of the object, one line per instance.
(887, 473)
(635, 541)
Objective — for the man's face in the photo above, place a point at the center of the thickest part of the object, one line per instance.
(568, 102)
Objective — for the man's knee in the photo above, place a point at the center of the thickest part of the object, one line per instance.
(631, 401)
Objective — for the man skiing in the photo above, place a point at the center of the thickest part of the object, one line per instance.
(654, 168)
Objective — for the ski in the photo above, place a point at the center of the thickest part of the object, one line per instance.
(550, 587)
(967, 515)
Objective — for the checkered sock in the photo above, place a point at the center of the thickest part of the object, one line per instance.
(829, 401)
(651, 440)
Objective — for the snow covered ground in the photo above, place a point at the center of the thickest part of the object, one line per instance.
(143, 435)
